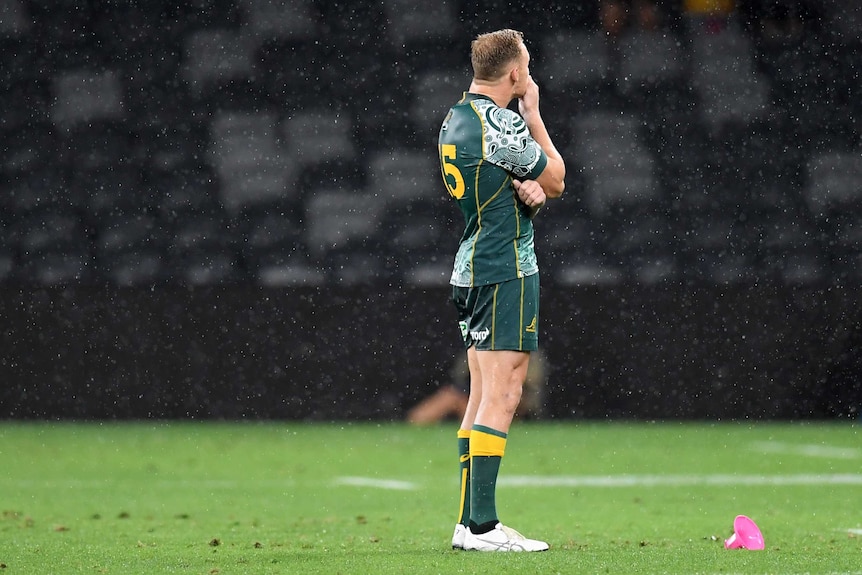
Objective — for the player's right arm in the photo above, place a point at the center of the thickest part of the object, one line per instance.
(531, 193)
(552, 178)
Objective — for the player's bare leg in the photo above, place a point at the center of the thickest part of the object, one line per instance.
(502, 375)
(475, 398)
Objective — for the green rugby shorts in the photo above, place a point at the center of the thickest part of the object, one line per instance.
(500, 316)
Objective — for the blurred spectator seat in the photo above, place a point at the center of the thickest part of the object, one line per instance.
(845, 19)
(14, 19)
(574, 241)
(834, 182)
(57, 268)
(153, 79)
(171, 143)
(565, 230)
(300, 73)
(682, 148)
(589, 270)
(135, 268)
(652, 74)
(7, 265)
(724, 76)
(251, 165)
(209, 268)
(7, 256)
(649, 60)
(410, 23)
(53, 247)
(215, 57)
(24, 102)
(356, 264)
(429, 274)
(285, 19)
(318, 137)
(186, 193)
(47, 230)
(715, 247)
(618, 170)
(129, 249)
(83, 96)
(337, 218)
(27, 150)
(844, 244)
(273, 247)
(420, 243)
(434, 92)
(42, 190)
(817, 85)
(291, 271)
(789, 248)
(123, 233)
(398, 176)
(111, 192)
(274, 251)
(341, 228)
(573, 59)
(639, 244)
(96, 145)
(833, 194)
(202, 251)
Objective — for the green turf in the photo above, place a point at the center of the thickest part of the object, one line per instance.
(206, 498)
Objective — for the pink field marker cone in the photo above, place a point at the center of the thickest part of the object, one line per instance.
(746, 535)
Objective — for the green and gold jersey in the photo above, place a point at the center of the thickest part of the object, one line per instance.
(482, 147)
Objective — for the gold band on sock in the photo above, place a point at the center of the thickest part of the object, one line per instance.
(463, 433)
(486, 444)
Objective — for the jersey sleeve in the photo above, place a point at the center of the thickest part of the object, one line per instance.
(507, 143)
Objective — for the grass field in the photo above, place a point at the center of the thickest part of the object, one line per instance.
(629, 498)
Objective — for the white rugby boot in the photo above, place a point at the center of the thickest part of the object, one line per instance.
(458, 536)
(501, 538)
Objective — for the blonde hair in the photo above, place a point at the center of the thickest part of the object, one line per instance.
(491, 52)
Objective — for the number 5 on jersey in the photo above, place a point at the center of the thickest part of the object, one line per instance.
(451, 171)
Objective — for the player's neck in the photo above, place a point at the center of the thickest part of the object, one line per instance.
(497, 91)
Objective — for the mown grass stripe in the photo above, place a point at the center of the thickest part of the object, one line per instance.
(808, 450)
(677, 480)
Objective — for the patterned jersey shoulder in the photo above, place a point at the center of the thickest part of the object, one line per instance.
(506, 140)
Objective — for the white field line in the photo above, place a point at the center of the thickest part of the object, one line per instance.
(807, 450)
(394, 484)
(614, 481)
(676, 480)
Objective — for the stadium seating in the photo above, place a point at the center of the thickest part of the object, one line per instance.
(293, 142)
(618, 169)
(341, 226)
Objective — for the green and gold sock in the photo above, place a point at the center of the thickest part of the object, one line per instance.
(487, 447)
(464, 462)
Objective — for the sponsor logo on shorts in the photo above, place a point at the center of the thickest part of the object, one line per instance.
(464, 329)
(532, 327)
(480, 335)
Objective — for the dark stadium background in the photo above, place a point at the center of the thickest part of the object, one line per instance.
(232, 209)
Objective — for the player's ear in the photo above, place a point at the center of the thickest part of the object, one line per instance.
(514, 74)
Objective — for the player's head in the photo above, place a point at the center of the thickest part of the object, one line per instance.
(497, 54)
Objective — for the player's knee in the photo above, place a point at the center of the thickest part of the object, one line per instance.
(511, 397)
